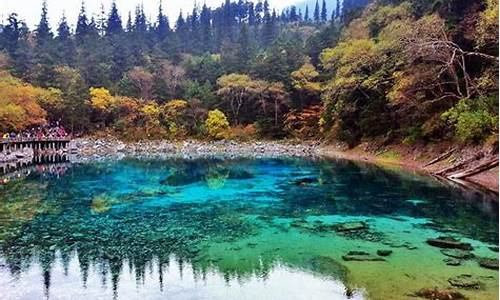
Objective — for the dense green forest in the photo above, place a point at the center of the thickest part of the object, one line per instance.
(396, 71)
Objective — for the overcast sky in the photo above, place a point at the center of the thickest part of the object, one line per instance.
(29, 10)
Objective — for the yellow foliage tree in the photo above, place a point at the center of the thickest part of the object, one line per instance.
(216, 124)
(175, 114)
(102, 100)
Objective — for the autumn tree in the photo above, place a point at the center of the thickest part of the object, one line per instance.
(236, 91)
(305, 81)
(20, 104)
(216, 124)
(140, 82)
(169, 80)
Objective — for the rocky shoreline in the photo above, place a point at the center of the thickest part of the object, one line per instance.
(90, 149)
(98, 149)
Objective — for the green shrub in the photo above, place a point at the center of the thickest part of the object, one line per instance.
(413, 135)
(473, 119)
(216, 124)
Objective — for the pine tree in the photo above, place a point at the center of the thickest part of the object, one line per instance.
(82, 27)
(114, 25)
(65, 45)
(316, 12)
(241, 11)
(244, 53)
(306, 14)
(258, 12)
(63, 31)
(162, 27)
(140, 23)
(43, 32)
(324, 15)
(337, 10)
(251, 14)
(101, 21)
(292, 16)
(181, 31)
(130, 25)
(268, 28)
(194, 30)
(206, 29)
(11, 34)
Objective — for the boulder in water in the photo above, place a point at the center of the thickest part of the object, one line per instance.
(437, 294)
(457, 253)
(489, 263)
(350, 226)
(448, 242)
(465, 281)
(493, 248)
(452, 261)
(384, 252)
(361, 256)
(306, 181)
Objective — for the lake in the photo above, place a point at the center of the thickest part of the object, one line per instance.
(242, 229)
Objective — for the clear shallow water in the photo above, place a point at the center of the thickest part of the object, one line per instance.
(235, 229)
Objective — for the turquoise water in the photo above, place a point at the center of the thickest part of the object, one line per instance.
(237, 229)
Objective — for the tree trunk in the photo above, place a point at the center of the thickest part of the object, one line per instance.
(441, 157)
(459, 165)
(490, 164)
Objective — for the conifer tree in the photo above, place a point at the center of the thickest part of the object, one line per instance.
(101, 21)
(114, 25)
(258, 12)
(206, 29)
(316, 12)
(268, 27)
(65, 45)
(43, 32)
(140, 23)
(251, 14)
(194, 30)
(130, 25)
(82, 26)
(324, 15)
(11, 34)
(162, 27)
(306, 14)
(181, 31)
(63, 30)
(293, 16)
(337, 10)
(244, 54)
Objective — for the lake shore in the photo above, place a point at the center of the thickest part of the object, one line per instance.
(415, 159)
(407, 158)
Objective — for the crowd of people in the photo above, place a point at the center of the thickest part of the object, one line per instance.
(51, 131)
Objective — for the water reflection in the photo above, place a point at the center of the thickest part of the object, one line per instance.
(171, 280)
(184, 228)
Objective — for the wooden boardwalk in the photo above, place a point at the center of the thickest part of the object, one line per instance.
(37, 145)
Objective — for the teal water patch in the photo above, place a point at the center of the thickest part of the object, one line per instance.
(242, 229)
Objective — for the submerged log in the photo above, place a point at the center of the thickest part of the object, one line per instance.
(485, 166)
(441, 157)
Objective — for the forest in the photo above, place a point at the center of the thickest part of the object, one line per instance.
(387, 70)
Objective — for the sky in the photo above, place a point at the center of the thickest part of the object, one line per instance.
(29, 10)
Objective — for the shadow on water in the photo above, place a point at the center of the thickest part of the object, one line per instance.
(109, 215)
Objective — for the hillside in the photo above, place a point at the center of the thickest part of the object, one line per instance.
(389, 72)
